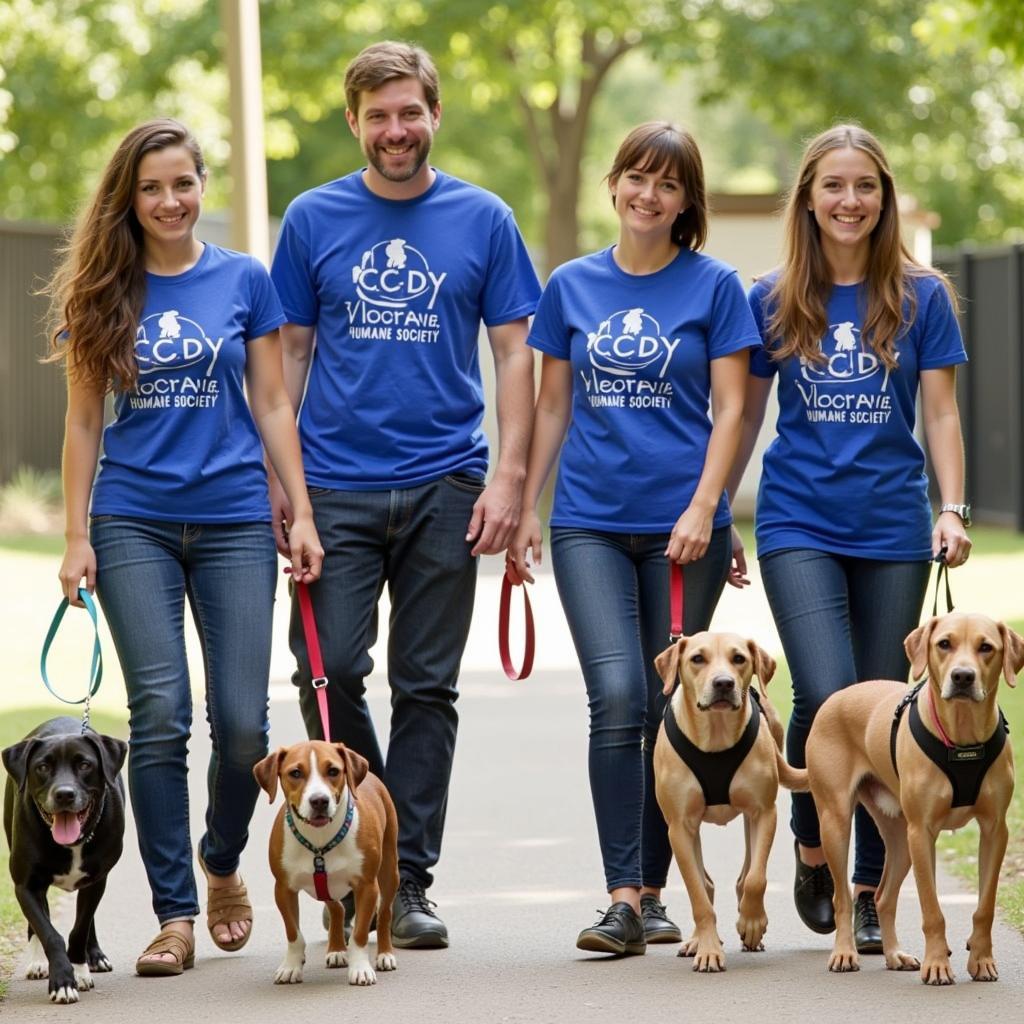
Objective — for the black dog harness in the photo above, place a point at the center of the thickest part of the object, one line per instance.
(714, 771)
(965, 767)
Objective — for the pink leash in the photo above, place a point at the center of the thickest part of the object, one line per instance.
(316, 661)
(675, 598)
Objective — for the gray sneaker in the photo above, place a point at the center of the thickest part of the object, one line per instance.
(414, 925)
(657, 925)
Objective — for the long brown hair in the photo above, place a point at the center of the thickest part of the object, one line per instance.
(798, 299)
(99, 286)
(658, 145)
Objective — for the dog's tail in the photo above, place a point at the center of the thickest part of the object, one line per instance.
(794, 779)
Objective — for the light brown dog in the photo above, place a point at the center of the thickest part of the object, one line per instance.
(712, 707)
(321, 781)
(849, 758)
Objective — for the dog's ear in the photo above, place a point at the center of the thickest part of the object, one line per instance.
(111, 753)
(266, 771)
(16, 760)
(356, 766)
(764, 663)
(667, 664)
(1013, 653)
(916, 646)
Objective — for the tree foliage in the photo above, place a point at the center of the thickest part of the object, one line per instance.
(536, 94)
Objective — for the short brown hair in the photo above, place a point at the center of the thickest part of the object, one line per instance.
(658, 145)
(385, 62)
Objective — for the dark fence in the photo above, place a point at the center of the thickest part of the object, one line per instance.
(32, 405)
(991, 389)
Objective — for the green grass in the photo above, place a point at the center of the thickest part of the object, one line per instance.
(14, 724)
(960, 849)
(33, 543)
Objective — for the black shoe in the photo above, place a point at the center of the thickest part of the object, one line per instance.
(620, 930)
(414, 924)
(657, 926)
(812, 893)
(867, 935)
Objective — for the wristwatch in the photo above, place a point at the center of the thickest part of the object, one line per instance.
(963, 511)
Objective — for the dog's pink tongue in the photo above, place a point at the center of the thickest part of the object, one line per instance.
(66, 828)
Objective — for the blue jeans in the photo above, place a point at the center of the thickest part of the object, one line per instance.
(414, 540)
(145, 571)
(841, 620)
(614, 588)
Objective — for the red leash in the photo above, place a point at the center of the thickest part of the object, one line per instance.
(675, 600)
(316, 661)
(504, 609)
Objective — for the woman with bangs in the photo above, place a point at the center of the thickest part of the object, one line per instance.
(636, 340)
(855, 328)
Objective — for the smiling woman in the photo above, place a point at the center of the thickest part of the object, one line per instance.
(182, 332)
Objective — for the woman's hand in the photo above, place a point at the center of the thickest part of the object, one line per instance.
(79, 562)
(689, 539)
(528, 536)
(951, 534)
(305, 550)
(738, 570)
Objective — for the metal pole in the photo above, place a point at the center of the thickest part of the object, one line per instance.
(250, 230)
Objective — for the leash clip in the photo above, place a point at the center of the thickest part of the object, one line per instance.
(320, 682)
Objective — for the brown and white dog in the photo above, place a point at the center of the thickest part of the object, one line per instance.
(856, 753)
(712, 708)
(321, 781)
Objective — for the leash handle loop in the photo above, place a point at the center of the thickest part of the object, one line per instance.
(676, 599)
(316, 660)
(504, 611)
(943, 572)
(95, 669)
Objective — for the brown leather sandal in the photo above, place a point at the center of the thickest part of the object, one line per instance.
(183, 950)
(224, 905)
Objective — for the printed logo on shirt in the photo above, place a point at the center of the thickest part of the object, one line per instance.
(397, 293)
(849, 361)
(629, 357)
(166, 345)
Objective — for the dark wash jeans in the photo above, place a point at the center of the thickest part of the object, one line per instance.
(413, 539)
(228, 572)
(842, 620)
(614, 588)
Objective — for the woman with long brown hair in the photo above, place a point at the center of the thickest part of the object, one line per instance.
(177, 329)
(855, 328)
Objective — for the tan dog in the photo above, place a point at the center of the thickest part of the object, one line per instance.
(321, 781)
(713, 710)
(850, 758)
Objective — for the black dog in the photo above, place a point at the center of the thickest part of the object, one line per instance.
(64, 820)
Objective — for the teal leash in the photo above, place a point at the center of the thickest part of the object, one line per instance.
(95, 670)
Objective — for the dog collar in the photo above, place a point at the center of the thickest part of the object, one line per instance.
(82, 840)
(714, 771)
(319, 865)
(964, 766)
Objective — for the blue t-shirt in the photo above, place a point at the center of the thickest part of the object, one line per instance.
(396, 290)
(846, 473)
(183, 446)
(640, 348)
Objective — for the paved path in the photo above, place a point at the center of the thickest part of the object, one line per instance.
(519, 877)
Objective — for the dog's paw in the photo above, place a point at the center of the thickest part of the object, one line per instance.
(36, 969)
(900, 961)
(62, 986)
(288, 974)
(982, 968)
(709, 961)
(842, 961)
(98, 962)
(83, 977)
(937, 971)
(759, 948)
(689, 947)
(361, 974)
(751, 931)
(337, 958)
(386, 962)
